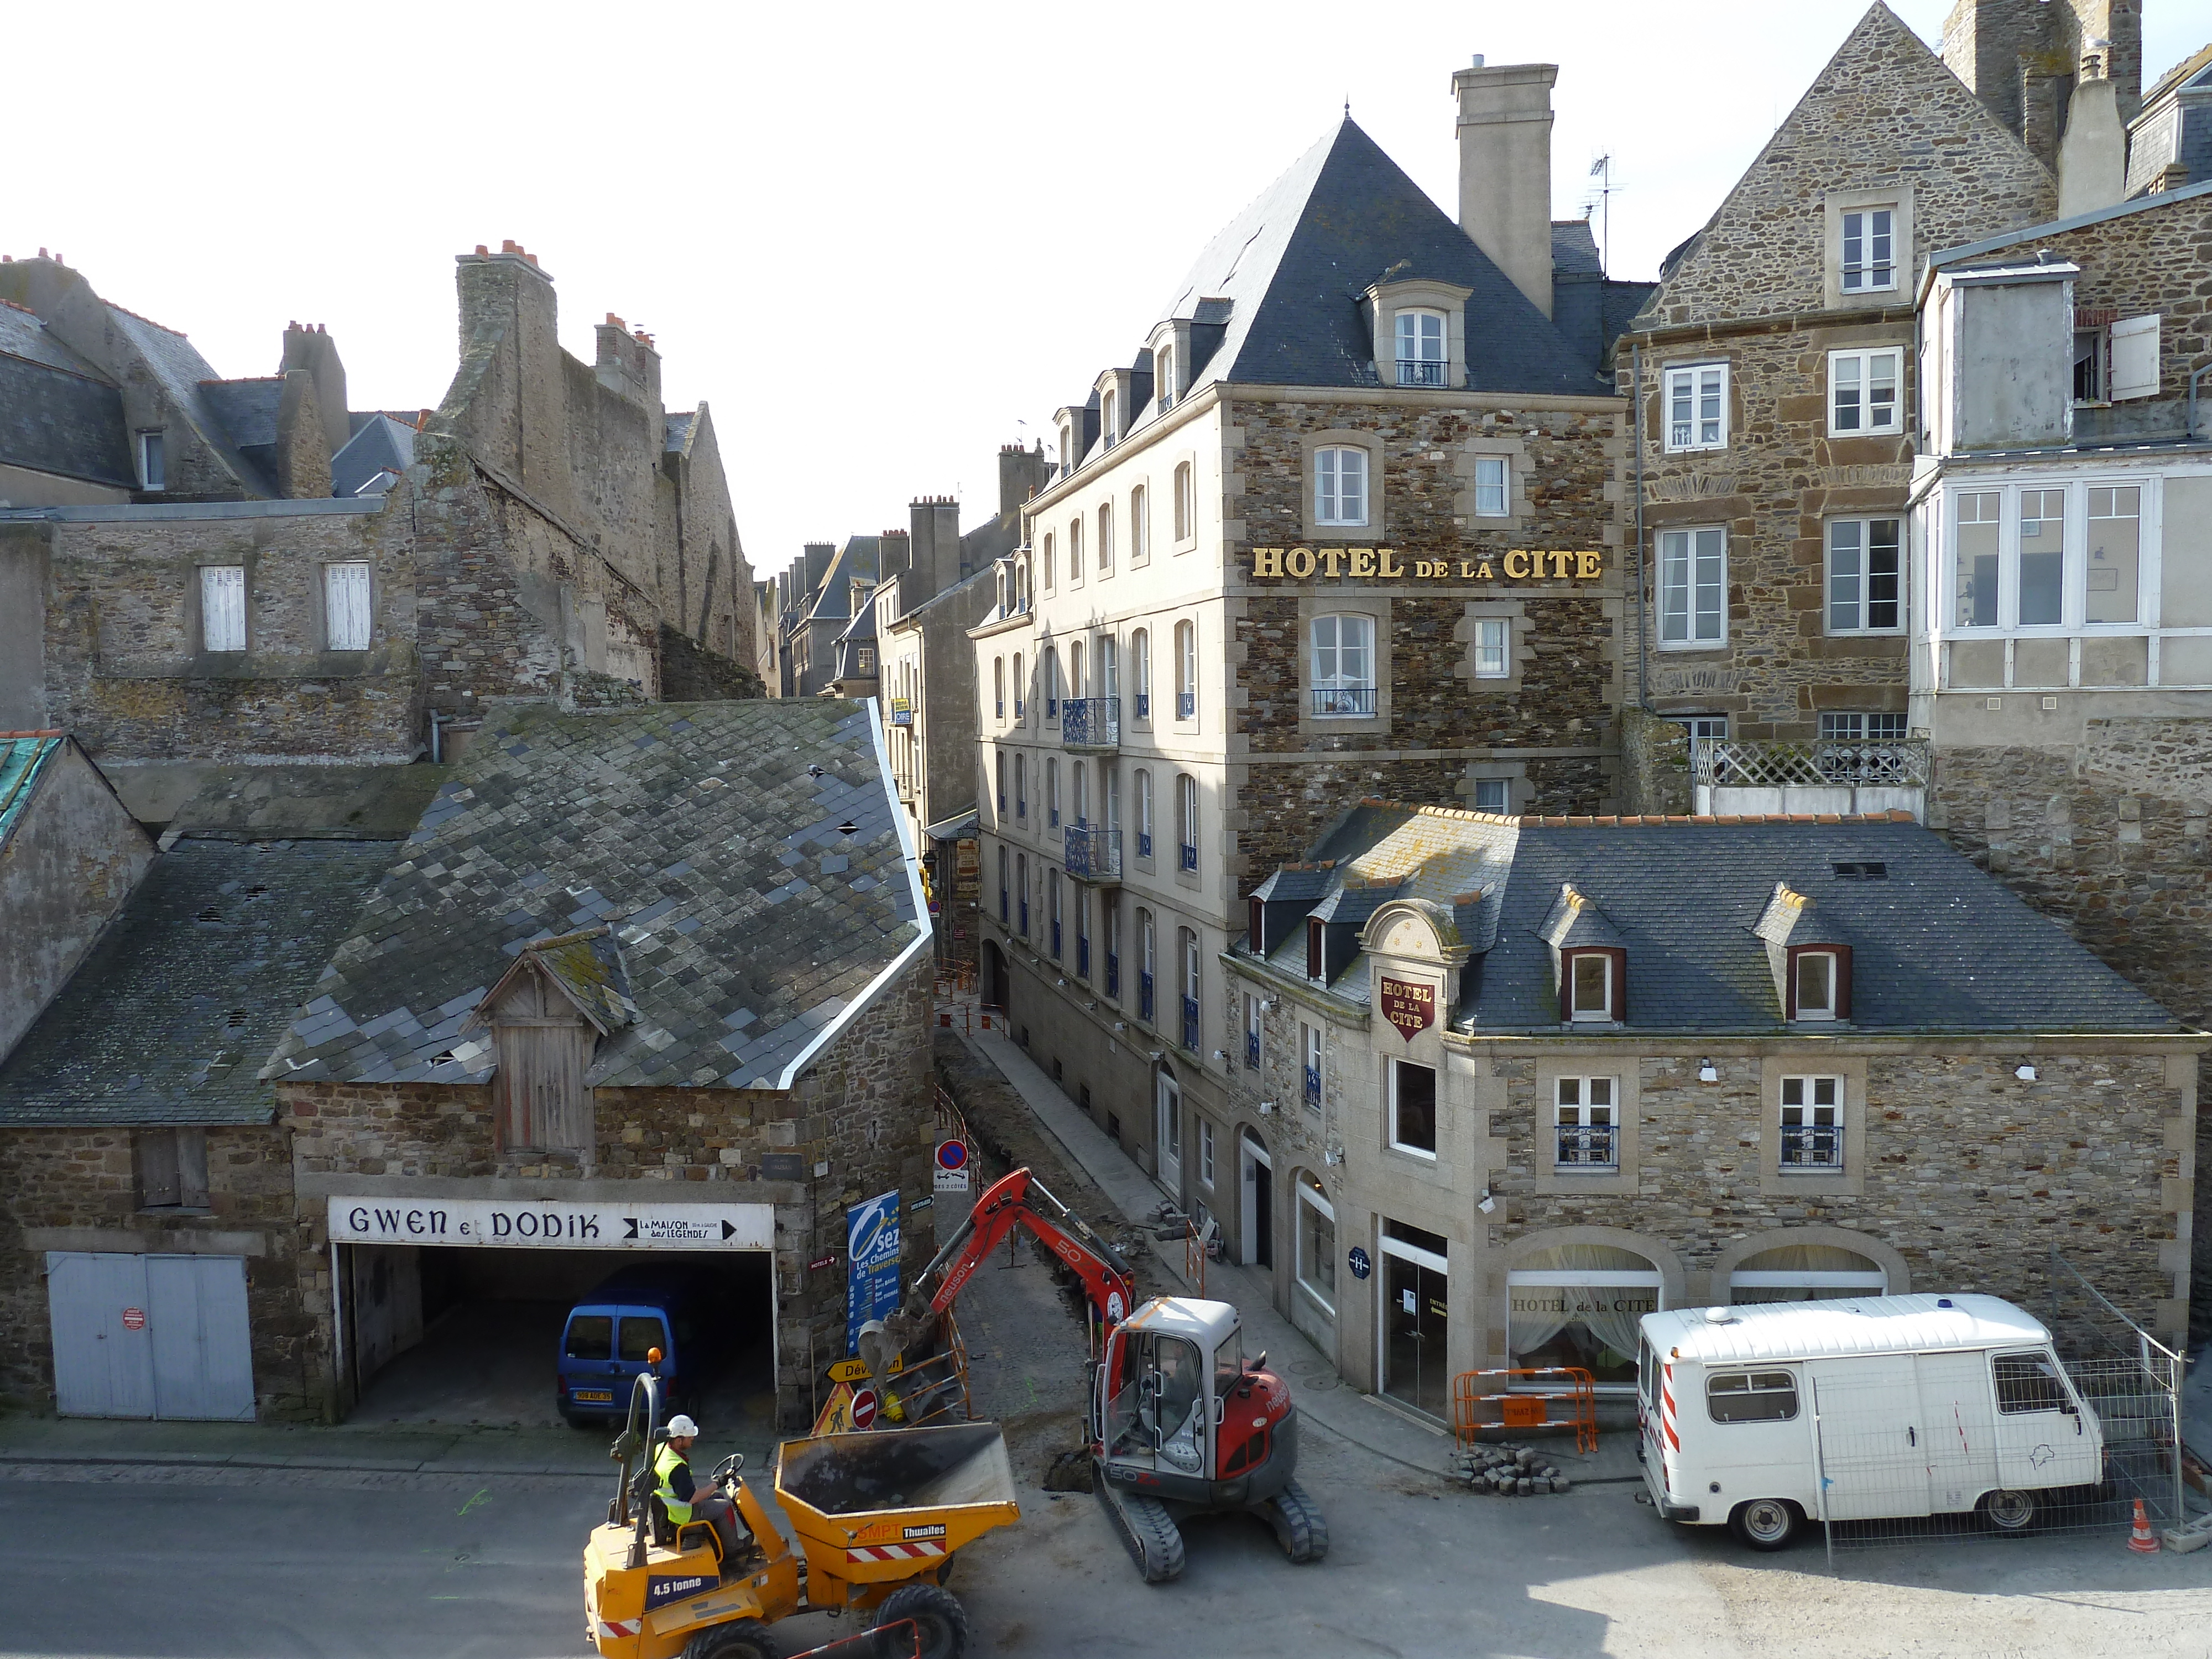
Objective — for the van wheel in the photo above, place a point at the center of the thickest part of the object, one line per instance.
(1765, 1523)
(2008, 1512)
(741, 1638)
(940, 1623)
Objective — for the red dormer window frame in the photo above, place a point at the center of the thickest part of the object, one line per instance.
(1314, 955)
(1841, 953)
(1616, 984)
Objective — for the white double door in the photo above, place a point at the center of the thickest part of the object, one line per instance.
(162, 1336)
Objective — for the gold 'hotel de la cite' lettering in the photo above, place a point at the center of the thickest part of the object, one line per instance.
(1521, 564)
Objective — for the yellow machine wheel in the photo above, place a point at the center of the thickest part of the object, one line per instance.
(940, 1622)
(741, 1638)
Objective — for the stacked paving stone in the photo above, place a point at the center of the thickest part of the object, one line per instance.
(1507, 1470)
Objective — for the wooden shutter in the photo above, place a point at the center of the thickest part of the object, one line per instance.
(222, 607)
(2135, 358)
(156, 1151)
(345, 606)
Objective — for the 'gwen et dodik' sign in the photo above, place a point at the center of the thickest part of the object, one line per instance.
(366, 1220)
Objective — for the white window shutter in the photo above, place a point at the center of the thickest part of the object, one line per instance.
(222, 607)
(2135, 358)
(345, 606)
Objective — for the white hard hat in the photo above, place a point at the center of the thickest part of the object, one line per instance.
(681, 1427)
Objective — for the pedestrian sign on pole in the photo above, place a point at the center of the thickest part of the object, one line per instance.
(952, 1166)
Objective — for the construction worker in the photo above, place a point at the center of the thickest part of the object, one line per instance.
(678, 1494)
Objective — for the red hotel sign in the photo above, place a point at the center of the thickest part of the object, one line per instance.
(1411, 1008)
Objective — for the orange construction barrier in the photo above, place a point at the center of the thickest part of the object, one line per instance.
(1476, 1394)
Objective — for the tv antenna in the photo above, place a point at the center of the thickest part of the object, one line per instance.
(1601, 170)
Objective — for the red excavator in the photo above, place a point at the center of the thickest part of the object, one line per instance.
(1179, 1421)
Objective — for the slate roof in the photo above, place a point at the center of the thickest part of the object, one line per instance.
(1294, 264)
(186, 376)
(746, 921)
(247, 409)
(168, 1019)
(379, 443)
(58, 414)
(1938, 946)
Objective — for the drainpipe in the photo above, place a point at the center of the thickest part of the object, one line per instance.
(435, 754)
(1643, 664)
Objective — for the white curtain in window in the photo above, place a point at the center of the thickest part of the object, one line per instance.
(345, 606)
(1609, 1306)
(222, 607)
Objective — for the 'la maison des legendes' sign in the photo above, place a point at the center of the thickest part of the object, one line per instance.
(1521, 564)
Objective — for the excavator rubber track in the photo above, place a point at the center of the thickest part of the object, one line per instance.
(1147, 1531)
(1297, 1523)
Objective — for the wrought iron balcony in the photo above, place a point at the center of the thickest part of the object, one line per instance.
(1143, 844)
(1186, 705)
(1344, 700)
(1144, 705)
(1091, 724)
(1252, 1049)
(1189, 856)
(1747, 775)
(1093, 855)
(1585, 1146)
(1313, 1086)
(1812, 1146)
(1190, 1024)
(1419, 371)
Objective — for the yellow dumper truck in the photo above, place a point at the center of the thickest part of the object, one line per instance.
(880, 1517)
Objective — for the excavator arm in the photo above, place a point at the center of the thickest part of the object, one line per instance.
(1021, 1200)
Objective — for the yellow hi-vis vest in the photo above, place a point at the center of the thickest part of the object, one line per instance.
(666, 1462)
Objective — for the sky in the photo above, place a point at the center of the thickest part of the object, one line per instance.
(879, 241)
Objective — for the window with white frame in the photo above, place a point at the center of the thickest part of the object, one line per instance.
(1697, 406)
(1413, 1108)
(1692, 587)
(1144, 813)
(1052, 792)
(1185, 670)
(1140, 673)
(1492, 795)
(1975, 557)
(153, 461)
(222, 607)
(1105, 537)
(1185, 502)
(1075, 550)
(1849, 725)
(1493, 642)
(1000, 781)
(1051, 566)
(1109, 671)
(1021, 691)
(345, 606)
(1140, 524)
(1811, 1123)
(1420, 348)
(998, 691)
(1316, 1242)
(1106, 427)
(1186, 821)
(1866, 576)
(1309, 1048)
(1493, 478)
(2041, 584)
(1340, 485)
(1163, 386)
(1589, 976)
(1586, 1123)
(1341, 665)
(1864, 393)
(1204, 1153)
(1050, 674)
(1251, 1032)
(2112, 574)
(1869, 250)
(1813, 981)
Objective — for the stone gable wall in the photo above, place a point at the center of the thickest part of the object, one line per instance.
(1971, 1173)
(74, 1189)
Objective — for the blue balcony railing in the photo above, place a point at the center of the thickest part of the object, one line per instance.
(1093, 724)
(1186, 705)
(1190, 1024)
(1093, 853)
(1052, 818)
(1313, 1086)
(1144, 705)
(1189, 856)
(1252, 1049)
(1144, 994)
(1143, 844)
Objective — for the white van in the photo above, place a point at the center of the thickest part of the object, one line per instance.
(1905, 1404)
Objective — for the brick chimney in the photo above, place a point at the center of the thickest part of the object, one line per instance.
(1022, 474)
(629, 365)
(1505, 169)
(308, 346)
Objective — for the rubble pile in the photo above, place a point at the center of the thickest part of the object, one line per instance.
(1508, 1471)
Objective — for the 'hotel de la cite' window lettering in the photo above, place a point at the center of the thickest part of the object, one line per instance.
(1521, 564)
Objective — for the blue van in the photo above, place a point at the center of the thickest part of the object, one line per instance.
(608, 1333)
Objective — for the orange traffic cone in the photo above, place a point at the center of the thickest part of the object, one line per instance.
(2140, 1539)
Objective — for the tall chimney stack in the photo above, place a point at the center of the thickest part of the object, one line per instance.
(1505, 169)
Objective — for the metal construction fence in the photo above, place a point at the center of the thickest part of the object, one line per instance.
(1916, 1448)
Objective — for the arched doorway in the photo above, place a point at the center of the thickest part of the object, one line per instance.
(1167, 1132)
(1579, 1304)
(1257, 1170)
(994, 975)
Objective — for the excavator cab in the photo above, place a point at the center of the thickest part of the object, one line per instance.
(1176, 1401)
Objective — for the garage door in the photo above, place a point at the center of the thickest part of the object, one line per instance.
(150, 1335)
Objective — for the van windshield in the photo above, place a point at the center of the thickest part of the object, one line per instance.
(592, 1336)
(640, 1335)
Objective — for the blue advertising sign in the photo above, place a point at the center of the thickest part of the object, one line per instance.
(871, 1256)
(1361, 1266)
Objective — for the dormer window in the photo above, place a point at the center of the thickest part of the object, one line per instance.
(1163, 373)
(1255, 914)
(1820, 982)
(1313, 970)
(1106, 420)
(1421, 360)
(1590, 987)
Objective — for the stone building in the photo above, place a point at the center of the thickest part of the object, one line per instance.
(1502, 1085)
(660, 975)
(818, 598)
(2062, 662)
(202, 569)
(1350, 521)
(2170, 144)
(1773, 367)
